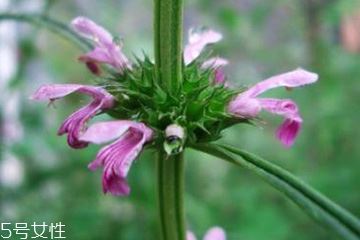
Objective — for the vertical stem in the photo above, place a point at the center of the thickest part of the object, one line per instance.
(168, 28)
(171, 189)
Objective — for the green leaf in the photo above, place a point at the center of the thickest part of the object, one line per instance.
(49, 23)
(316, 205)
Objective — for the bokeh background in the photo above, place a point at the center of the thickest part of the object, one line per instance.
(42, 179)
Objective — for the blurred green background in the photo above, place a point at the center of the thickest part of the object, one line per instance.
(42, 179)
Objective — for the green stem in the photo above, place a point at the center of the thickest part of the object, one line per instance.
(49, 23)
(314, 203)
(168, 28)
(170, 190)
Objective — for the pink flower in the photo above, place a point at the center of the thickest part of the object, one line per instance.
(106, 49)
(197, 42)
(247, 105)
(215, 233)
(129, 136)
(217, 64)
(117, 157)
(75, 124)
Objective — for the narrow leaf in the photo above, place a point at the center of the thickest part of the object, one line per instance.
(322, 209)
(49, 23)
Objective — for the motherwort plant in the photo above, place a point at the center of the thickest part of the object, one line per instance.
(177, 100)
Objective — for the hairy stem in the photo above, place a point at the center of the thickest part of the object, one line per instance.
(170, 190)
(49, 23)
(168, 28)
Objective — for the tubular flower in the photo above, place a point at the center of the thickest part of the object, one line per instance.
(215, 233)
(217, 64)
(75, 124)
(198, 40)
(248, 105)
(107, 49)
(117, 157)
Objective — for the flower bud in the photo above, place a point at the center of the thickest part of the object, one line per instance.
(174, 139)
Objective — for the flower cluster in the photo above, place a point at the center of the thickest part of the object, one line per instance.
(146, 115)
(129, 136)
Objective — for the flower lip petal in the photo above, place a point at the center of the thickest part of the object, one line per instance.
(126, 131)
(204, 36)
(288, 131)
(116, 185)
(75, 124)
(55, 91)
(246, 104)
(197, 42)
(117, 157)
(103, 132)
(215, 63)
(91, 30)
(296, 78)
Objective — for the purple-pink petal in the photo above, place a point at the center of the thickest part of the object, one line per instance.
(56, 91)
(75, 124)
(219, 77)
(106, 50)
(288, 131)
(118, 156)
(91, 30)
(245, 107)
(102, 132)
(248, 105)
(217, 64)
(290, 128)
(116, 185)
(296, 78)
(197, 42)
(282, 107)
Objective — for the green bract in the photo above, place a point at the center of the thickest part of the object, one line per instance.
(199, 107)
